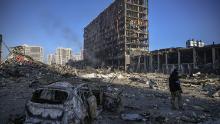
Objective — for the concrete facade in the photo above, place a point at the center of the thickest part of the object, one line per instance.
(63, 55)
(77, 57)
(51, 59)
(36, 52)
(118, 35)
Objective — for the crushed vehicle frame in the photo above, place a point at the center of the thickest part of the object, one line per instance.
(61, 103)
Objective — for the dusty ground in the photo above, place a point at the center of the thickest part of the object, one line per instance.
(137, 97)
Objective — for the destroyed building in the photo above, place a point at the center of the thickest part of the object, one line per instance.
(35, 52)
(119, 38)
(188, 60)
(118, 35)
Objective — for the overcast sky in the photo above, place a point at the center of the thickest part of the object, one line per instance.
(60, 23)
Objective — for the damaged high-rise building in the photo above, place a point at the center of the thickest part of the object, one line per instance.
(118, 37)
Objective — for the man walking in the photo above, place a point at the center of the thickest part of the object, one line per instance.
(175, 89)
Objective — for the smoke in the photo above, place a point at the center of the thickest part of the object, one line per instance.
(54, 25)
(70, 35)
(92, 58)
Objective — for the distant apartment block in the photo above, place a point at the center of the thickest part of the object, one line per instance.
(51, 59)
(63, 55)
(118, 35)
(35, 52)
(76, 57)
(194, 43)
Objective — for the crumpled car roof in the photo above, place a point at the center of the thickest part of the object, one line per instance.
(60, 85)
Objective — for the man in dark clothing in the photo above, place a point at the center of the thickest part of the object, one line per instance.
(175, 89)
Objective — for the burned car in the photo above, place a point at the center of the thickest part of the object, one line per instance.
(62, 103)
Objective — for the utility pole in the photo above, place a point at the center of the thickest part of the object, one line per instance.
(0, 48)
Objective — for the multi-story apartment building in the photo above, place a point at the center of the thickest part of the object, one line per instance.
(194, 43)
(63, 55)
(77, 57)
(51, 59)
(35, 52)
(118, 35)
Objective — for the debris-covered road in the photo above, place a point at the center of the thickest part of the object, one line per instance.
(145, 97)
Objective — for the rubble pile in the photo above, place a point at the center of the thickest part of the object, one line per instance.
(142, 97)
(34, 72)
(151, 92)
(208, 84)
(19, 79)
(205, 84)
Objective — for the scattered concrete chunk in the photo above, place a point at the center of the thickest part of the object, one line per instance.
(151, 84)
(216, 94)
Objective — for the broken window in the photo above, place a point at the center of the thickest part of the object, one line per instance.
(141, 2)
(132, 7)
(132, 1)
(132, 14)
(49, 96)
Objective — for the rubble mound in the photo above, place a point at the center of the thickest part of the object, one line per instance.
(34, 71)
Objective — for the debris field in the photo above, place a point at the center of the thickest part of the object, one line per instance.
(144, 97)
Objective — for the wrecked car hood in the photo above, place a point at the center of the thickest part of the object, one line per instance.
(38, 112)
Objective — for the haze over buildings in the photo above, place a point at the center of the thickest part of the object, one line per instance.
(54, 23)
(77, 56)
(63, 55)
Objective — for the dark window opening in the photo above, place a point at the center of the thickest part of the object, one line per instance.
(49, 96)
